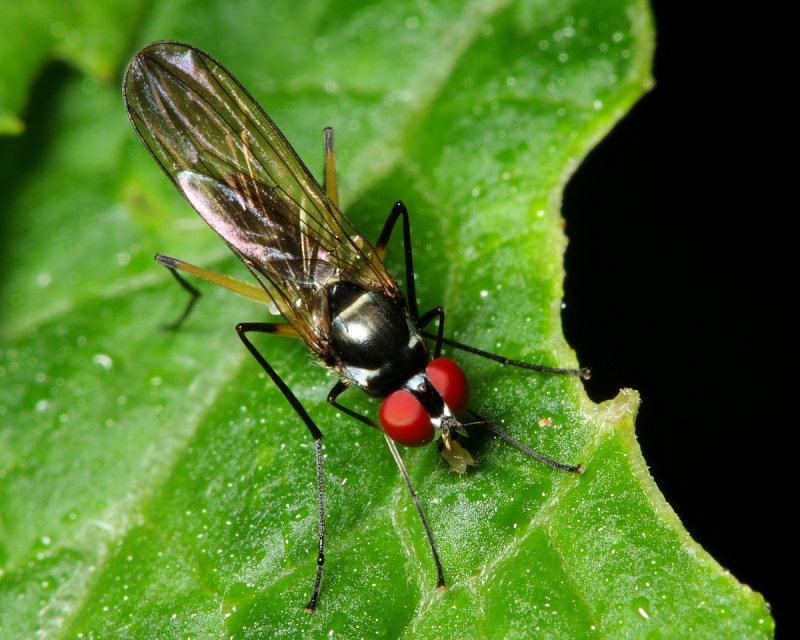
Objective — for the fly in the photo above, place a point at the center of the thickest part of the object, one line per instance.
(229, 160)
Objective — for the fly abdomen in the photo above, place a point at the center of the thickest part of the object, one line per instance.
(373, 341)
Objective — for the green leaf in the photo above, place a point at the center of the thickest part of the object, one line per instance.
(91, 36)
(154, 484)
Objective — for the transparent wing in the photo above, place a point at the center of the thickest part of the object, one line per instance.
(240, 174)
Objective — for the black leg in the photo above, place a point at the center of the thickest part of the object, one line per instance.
(194, 297)
(312, 603)
(583, 372)
(380, 248)
(524, 448)
(428, 317)
(268, 327)
(411, 299)
(337, 390)
(440, 583)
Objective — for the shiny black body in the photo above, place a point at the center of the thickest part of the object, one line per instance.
(374, 342)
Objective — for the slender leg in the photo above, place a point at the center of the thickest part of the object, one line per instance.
(428, 317)
(584, 372)
(312, 603)
(331, 186)
(440, 584)
(380, 248)
(337, 390)
(411, 298)
(534, 454)
(194, 297)
(232, 284)
(268, 327)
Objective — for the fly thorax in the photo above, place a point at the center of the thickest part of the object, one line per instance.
(373, 342)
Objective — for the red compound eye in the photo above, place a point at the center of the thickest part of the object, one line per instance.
(450, 382)
(404, 419)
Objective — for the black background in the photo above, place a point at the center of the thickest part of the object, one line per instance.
(675, 288)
